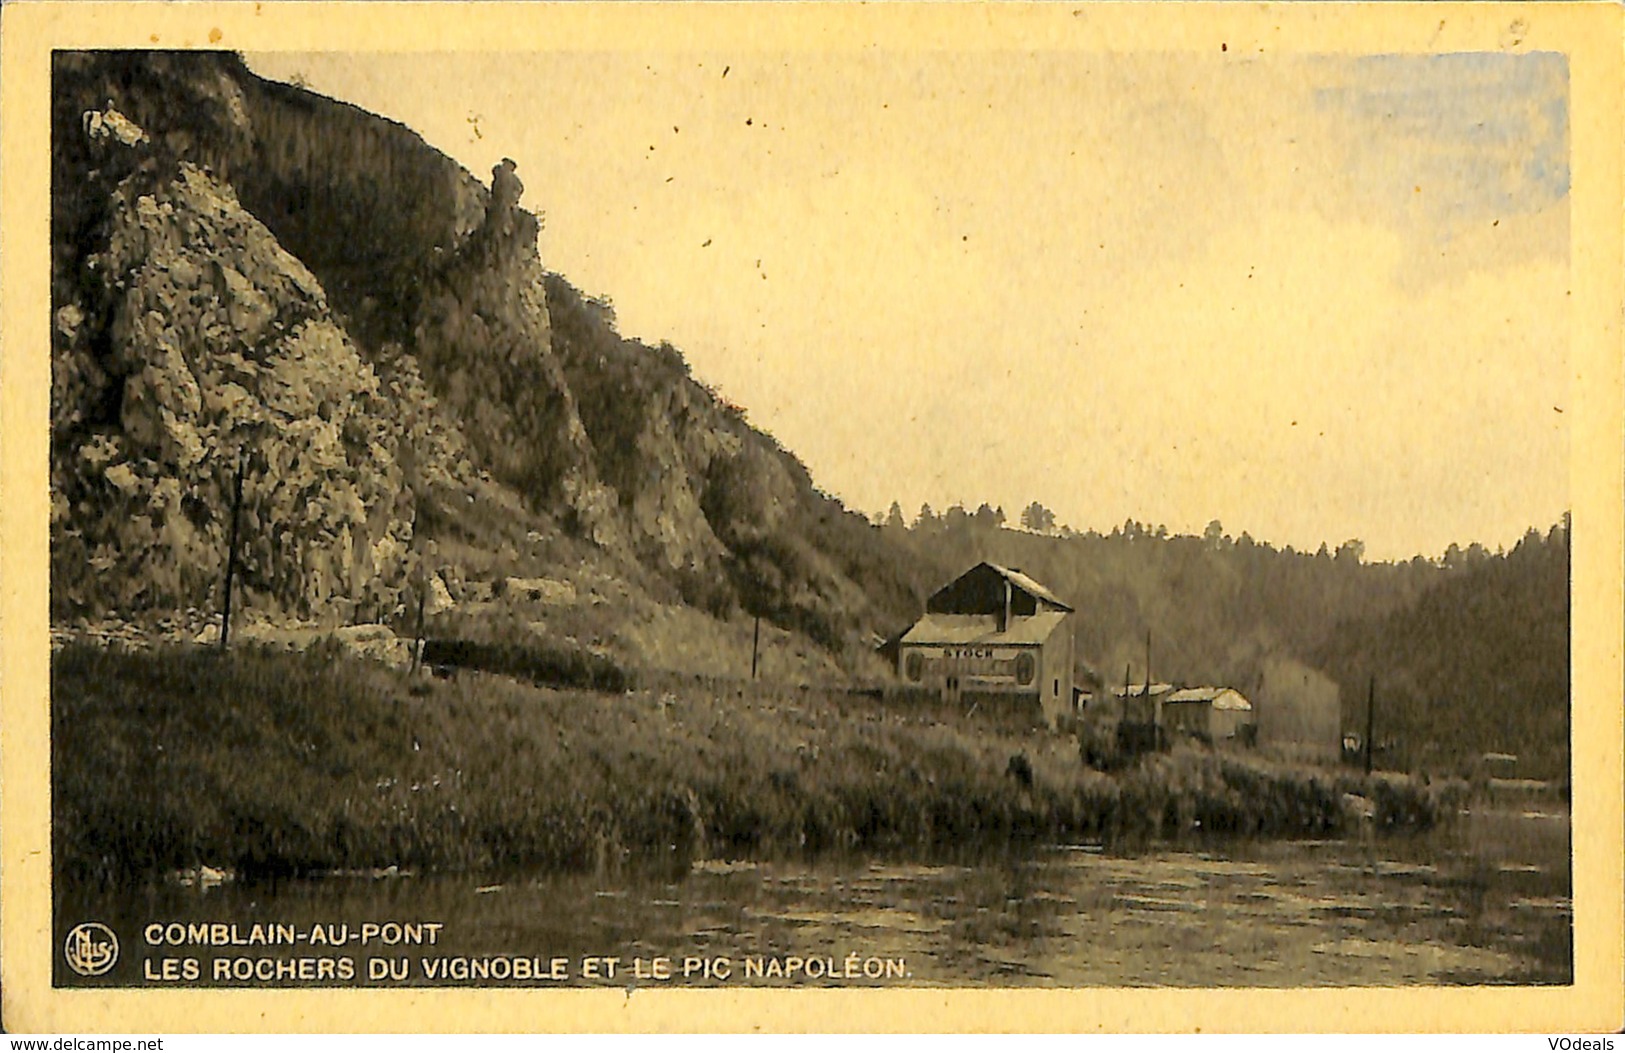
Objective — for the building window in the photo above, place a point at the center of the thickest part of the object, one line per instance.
(1057, 689)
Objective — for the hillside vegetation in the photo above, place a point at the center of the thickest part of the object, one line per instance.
(1479, 663)
(322, 762)
(1469, 651)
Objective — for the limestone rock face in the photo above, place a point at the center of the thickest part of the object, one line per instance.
(666, 518)
(652, 432)
(482, 336)
(713, 505)
(218, 346)
(245, 271)
(415, 256)
(238, 265)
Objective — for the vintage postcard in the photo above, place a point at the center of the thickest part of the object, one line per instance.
(817, 516)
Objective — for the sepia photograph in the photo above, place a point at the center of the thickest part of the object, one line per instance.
(557, 515)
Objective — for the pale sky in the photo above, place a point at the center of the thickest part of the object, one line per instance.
(1316, 298)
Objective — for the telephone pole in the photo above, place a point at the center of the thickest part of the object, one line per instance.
(231, 545)
(417, 645)
(1370, 721)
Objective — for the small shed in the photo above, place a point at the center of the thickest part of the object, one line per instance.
(1219, 715)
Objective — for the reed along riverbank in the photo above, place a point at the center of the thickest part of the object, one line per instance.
(268, 762)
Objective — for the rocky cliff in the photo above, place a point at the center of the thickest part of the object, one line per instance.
(247, 272)
(193, 344)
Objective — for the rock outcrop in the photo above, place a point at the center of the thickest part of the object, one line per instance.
(481, 335)
(240, 265)
(217, 348)
(724, 512)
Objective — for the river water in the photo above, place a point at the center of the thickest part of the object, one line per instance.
(1484, 899)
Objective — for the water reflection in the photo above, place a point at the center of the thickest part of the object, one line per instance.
(1484, 901)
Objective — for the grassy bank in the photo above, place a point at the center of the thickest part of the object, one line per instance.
(271, 762)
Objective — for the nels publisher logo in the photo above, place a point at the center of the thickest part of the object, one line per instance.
(91, 948)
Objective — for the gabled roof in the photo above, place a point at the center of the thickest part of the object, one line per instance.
(1026, 584)
(960, 629)
(1136, 690)
(1221, 697)
(1015, 578)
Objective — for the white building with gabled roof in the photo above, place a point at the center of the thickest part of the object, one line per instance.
(1218, 715)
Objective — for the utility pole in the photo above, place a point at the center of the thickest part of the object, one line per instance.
(755, 645)
(1370, 721)
(1127, 708)
(231, 545)
(417, 647)
(1156, 707)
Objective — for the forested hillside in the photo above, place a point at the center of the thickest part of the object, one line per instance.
(1479, 663)
(1469, 649)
